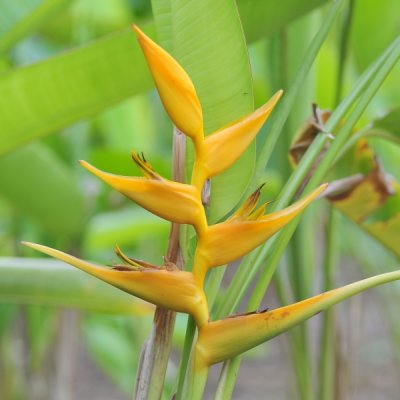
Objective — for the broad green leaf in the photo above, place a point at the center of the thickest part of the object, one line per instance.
(216, 60)
(262, 18)
(52, 283)
(37, 183)
(123, 227)
(130, 125)
(54, 93)
(389, 123)
(40, 98)
(20, 17)
(375, 25)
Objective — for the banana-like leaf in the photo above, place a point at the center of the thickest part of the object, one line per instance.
(39, 99)
(20, 17)
(124, 227)
(216, 60)
(37, 183)
(263, 18)
(51, 283)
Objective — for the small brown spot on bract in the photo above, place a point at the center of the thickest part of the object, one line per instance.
(268, 316)
(285, 314)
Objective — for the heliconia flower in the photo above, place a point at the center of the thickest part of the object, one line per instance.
(224, 339)
(175, 88)
(226, 145)
(172, 289)
(244, 231)
(173, 201)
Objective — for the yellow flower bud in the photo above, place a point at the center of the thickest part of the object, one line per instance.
(175, 88)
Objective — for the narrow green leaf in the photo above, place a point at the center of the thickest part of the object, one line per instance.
(280, 117)
(52, 283)
(37, 183)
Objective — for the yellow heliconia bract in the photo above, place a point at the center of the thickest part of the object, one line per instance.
(232, 239)
(173, 201)
(225, 146)
(224, 339)
(175, 88)
(174, 290)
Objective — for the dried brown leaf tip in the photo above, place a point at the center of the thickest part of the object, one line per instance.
(307, 133)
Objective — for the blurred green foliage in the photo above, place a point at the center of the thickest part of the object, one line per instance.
(74, 85)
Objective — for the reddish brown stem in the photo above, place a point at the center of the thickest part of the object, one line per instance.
(155, 352)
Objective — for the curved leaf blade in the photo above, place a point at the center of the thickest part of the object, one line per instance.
(43, 97)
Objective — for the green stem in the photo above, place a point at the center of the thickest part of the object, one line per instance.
(343, 49)
(298, 341)
(197, 378)
(155, 352)
(187, 348)
(278, 120)
(367, 132)
(321, 170)
(327, 347)
(327, 344)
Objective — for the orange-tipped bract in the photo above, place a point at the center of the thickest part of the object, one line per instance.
(175, 88)
(229, 240)
(225, 146)
(174, 290)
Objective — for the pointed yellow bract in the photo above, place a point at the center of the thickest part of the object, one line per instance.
(175, 88)
(174, 290)
(225, 146)
(224, 339)
(227, 241)
(170, 200)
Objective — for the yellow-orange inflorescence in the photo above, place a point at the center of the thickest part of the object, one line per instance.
(181, 203)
